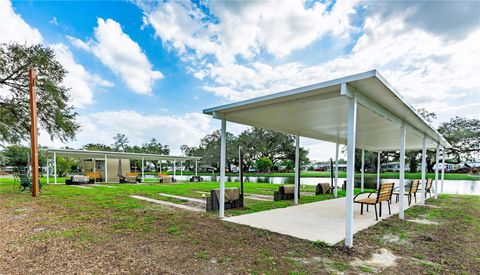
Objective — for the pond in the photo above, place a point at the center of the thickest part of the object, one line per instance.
(462, 187)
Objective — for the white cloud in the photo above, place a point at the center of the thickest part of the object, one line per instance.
(82, 83)
(169, 129)
(245, 28)
(14, 29)
(123, 56)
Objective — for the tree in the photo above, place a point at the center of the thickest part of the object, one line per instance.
(264, 164)
(464, 136)
(425, 114)
(55, 115)
(96, 147)
(16, 155)
(120, 143)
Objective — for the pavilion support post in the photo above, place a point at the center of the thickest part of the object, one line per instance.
(335, 187)
(401, 214)
(196, 167)
(174, 169)
(378, 169)
(160, 163)
(181, 169)
(94, 165)
(223, 153)
(437, 156)
(351, 135)
(55, 168)
(106, 169)
(362, 178)
(443, 168)
(297, 169)
(143, 169)
(424, 168)
(48, 171)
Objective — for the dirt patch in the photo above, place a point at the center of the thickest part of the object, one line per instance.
(423, 221)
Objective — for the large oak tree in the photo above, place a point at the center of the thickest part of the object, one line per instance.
(55, 113)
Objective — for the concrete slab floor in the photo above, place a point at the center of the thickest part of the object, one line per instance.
(323, 220)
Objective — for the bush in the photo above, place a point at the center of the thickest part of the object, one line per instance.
(264, 164)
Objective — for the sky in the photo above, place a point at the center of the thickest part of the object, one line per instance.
(148, 69)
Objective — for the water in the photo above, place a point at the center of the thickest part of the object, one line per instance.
(461, 187)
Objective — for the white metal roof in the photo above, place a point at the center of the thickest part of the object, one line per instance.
(320, 111)
(123, 155)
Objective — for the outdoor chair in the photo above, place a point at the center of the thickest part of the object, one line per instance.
(412, 192)
(384, 194)
(233, 199)
(428, 187)
(323, 188)
(96, 176)
(78, 179)
(196, 179)
(130, 177)
(284, 193)
(26, 182)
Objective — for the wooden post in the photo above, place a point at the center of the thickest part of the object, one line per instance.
(240, 170)
(33, 132)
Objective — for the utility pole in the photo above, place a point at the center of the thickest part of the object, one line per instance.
(33, 132)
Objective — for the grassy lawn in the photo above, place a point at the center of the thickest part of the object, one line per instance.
(383, 175)
(102, 230)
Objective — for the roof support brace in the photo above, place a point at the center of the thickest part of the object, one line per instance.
(371, 105)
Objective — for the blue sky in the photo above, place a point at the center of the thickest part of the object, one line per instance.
(147, 69)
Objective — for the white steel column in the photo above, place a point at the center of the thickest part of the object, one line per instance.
(378, 169)
(196, 167)
(443, 167)
(174, 168)
(143, 169)
(362, 179)
(181, 169)
(55, 168)
(106, 169)
(424, 168)
(437, 156)
(402, 171)
(48, 171)
(223, 153)
(336, 170)
(297, 169)
(351, 134)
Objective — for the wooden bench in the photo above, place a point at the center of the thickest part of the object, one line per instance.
(165, 178)
(95, 176)
(284, 193)
(130, 177)
(384, 194)
(76, 179)
(233, 199)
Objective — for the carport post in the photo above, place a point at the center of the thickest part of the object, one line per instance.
(424, 168)
(437, 156)
(174, 168)
(362, 179)
(143, 169)
(223, 153)
(443, 167)
(297, 169)
(106, 169)
(402, 171)
(336, 170)
(55, 167)
(196, 167)
(48, 171)
(351, 134)
(378, 169)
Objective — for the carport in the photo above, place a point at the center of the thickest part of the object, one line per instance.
(361, 111)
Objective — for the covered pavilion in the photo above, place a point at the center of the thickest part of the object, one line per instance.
(361, 111)
(106, 155)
